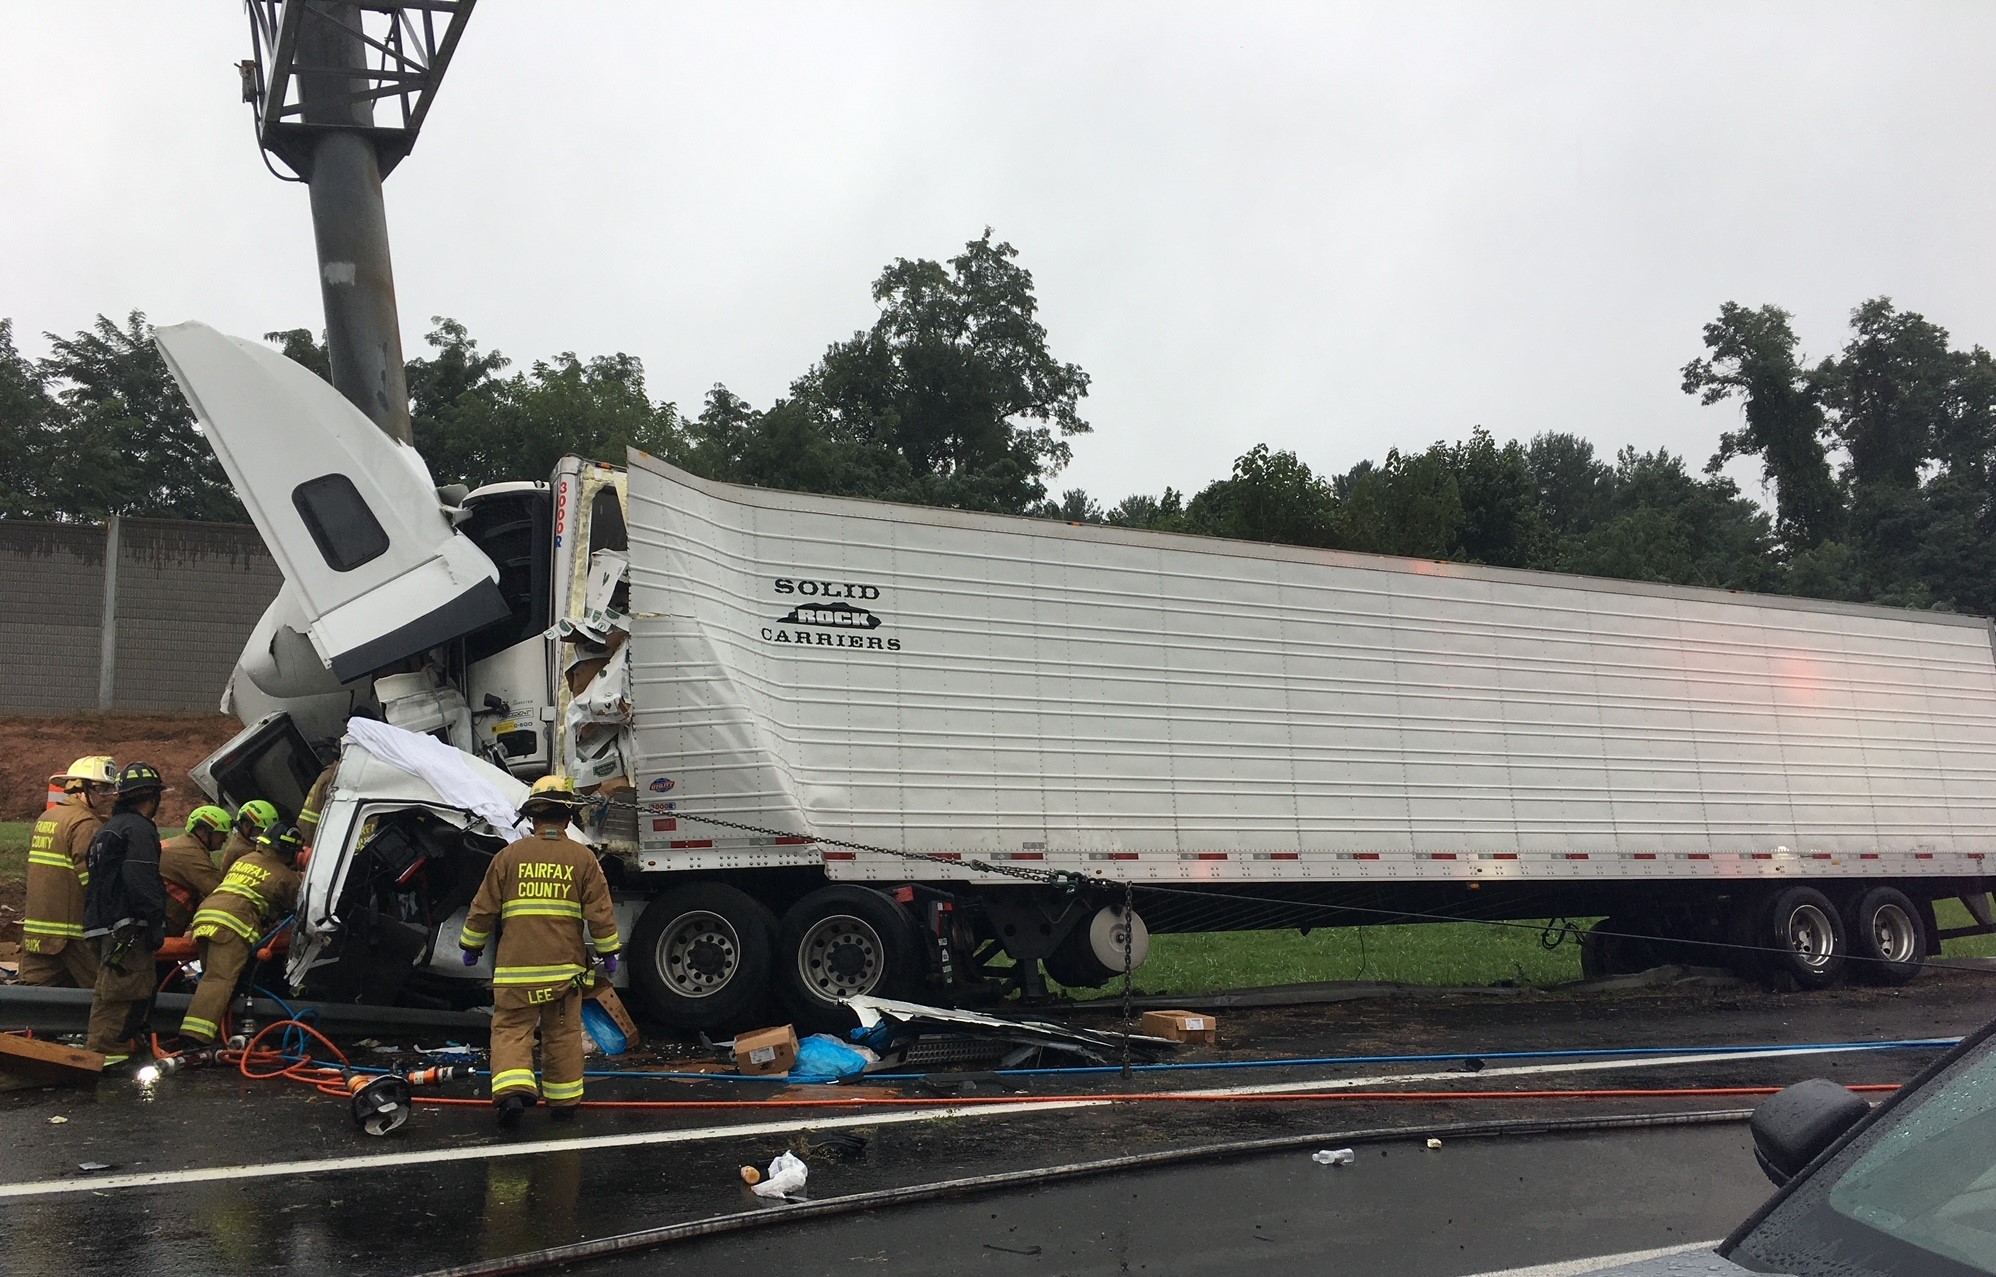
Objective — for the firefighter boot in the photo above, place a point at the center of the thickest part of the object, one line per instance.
(511, 1108)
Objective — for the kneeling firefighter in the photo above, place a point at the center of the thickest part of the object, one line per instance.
(190, 866)
(258, 889)
(251, 819)
(541, 892)
(124, 913)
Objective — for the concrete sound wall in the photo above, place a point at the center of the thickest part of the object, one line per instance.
(135, 614)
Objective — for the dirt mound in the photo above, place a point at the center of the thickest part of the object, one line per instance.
(32, 748)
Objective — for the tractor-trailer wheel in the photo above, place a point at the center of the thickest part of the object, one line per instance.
(840, 942)
(701, 954)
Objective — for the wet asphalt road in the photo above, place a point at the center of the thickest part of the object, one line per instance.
(1470, 1206)
(1480, 1205)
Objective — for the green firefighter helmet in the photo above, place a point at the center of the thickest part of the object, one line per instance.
(257, 812)
(209, 817)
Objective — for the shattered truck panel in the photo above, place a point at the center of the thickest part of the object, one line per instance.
(1167, 707)
(593, 708)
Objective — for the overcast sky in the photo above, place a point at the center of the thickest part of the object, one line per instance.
(1331, 228)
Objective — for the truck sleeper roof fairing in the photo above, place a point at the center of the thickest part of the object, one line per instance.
(351, 516)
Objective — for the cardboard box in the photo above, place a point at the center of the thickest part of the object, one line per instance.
(601, 993)
(1180, 1026)
(766, 1050)
(584, 672)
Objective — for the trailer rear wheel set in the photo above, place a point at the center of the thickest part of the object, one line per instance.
(707, 955)
(1799, 933)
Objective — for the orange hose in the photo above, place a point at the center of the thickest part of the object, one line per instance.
(330, 1079)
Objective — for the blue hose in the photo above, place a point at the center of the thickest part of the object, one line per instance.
(1452, 1057)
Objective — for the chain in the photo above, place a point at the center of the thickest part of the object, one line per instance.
(1065, 879)
(1129, 940)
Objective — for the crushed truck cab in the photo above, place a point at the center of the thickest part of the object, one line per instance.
(403, 842)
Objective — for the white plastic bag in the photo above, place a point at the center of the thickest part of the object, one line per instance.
(786, 1176)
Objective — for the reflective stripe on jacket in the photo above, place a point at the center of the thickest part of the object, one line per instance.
(258, 890)
(58, 872)
(543, 894)
(189, 873)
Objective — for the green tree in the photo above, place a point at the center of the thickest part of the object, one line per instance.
(518, 427)
(437, 385)
(1573, 486)
(1753, 358)
(1663, 524)
(1074, 506)
(1410, 504)
(31, 422)
(1890, 394)
(951, 397)
(1501, 524)
(1156, 514)
(300, 346)
(1272, 496)
(127, 443)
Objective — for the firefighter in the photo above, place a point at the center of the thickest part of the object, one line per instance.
(190, 865)
(541, 892)
(251, 819)
(124, 911)
(315, 800)
(258, 889)
(53, 950)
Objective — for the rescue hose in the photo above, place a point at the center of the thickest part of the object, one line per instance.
(330, 1079)
(792, 1212)
(1451, 1057)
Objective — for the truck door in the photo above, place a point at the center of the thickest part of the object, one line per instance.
(351, 516)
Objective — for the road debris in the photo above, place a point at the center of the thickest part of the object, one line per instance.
(896, 1029)
(1334, 1157)
(1433, 1143)
(785, 1178)
(34, 1062)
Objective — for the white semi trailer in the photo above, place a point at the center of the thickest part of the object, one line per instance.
(864, 747)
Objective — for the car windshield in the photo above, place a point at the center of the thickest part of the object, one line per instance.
(1914, 1195)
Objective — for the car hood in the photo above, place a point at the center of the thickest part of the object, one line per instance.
(1695, 1260)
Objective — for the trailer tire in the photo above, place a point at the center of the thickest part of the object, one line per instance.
(838, 942)
(1091, 954)
(700, 955)
(1806, 938)
(1888, 938)
(1618, 946)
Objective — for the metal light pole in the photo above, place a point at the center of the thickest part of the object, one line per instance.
(320, 68)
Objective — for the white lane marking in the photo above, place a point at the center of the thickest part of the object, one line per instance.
(702, 1134)
(691, 1135)
(1582, 1267)
(1526, 1070)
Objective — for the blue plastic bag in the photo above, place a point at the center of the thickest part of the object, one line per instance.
(823, 1058)
(596, 1022)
